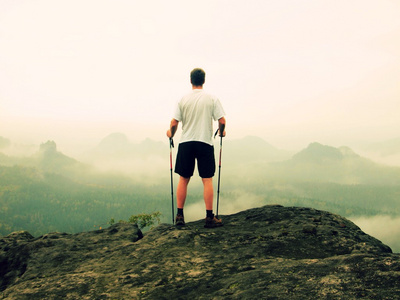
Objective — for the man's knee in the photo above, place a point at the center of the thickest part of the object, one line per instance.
(184, 179)
(207, 180)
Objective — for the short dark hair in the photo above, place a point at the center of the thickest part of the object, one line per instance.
(197, 77)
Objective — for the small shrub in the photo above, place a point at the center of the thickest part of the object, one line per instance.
(142, 220)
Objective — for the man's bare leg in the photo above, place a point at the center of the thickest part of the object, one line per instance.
(181, 191)
(208, 192)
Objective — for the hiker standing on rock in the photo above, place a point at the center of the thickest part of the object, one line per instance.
(197, 111)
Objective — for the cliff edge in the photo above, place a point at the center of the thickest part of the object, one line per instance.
(272, 252)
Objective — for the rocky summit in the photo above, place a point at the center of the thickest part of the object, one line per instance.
(272, 252)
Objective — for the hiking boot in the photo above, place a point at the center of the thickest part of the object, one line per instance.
(213, 222)
(179, 220)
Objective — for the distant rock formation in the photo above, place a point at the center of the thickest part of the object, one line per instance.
(116, 146)
(272, 252)
(49, 146)
(114, 142)
(50, 160)
(252, 149)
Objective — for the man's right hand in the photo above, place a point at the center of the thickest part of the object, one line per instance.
(169, 133)
(172, 128)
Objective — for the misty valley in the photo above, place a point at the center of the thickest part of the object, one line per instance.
(48, 191)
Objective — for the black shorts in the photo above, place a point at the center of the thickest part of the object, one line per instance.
(188, 153)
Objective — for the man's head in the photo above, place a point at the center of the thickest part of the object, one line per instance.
(197, 77)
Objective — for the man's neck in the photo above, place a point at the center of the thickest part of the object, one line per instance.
(197, 87)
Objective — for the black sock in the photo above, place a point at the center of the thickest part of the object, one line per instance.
(180, 211)
(210, 214)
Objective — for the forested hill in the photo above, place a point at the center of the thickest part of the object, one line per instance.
(271, 252)
(43, 202)
(49, 191)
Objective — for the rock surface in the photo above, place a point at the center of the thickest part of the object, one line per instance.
(272, 252)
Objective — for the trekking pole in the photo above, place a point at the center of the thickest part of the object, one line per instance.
(219, 168)
(171, 145)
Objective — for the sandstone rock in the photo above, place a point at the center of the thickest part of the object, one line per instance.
(272, 252)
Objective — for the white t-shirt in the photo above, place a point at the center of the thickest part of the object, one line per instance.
(196, 111)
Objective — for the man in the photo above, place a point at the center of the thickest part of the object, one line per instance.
(196, 111)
